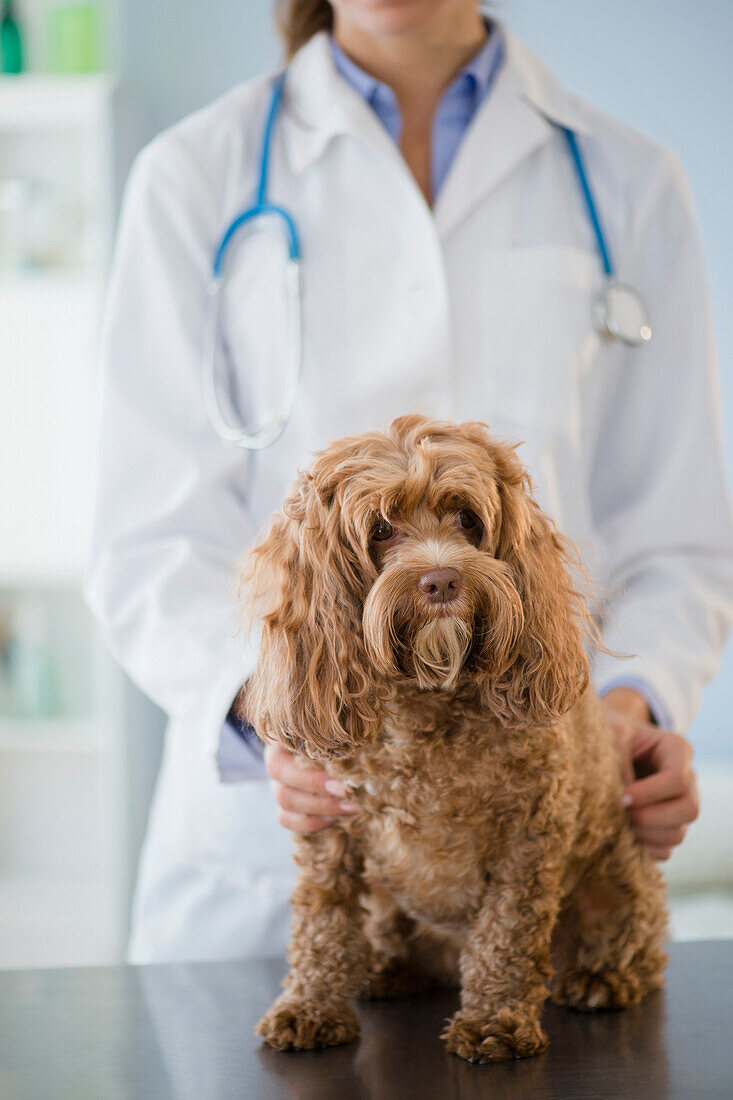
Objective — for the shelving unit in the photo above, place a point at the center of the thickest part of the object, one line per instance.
(63, 834)
(69, 736)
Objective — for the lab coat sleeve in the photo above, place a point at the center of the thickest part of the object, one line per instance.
(658, 713)
(170, 512)
(240, 753)
(659, 498)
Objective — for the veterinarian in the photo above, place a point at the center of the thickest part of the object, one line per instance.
(450, 267)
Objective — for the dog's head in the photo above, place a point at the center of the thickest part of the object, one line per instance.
(413, 555)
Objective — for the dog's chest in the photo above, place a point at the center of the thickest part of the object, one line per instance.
(436, 874)
(434, 820)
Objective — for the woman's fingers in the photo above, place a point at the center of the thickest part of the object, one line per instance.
(661, 838)
(664, 801)
(658, 853)
(667, 797)
(669, 814)
(662, 790)
(299, 823)
(665, 815)
(666, 785)
(309, 799)
(302, 802)
(293, 771)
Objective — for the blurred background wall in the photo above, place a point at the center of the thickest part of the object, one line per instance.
(79, 747)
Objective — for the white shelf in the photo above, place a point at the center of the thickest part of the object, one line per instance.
(46, 417)
(45, 280)
(44, 101)
(45, 578)
(64, 871)
(49, 735)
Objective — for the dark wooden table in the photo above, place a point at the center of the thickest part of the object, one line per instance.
(185, 1032)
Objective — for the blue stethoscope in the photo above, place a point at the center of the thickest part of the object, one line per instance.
(618, 311)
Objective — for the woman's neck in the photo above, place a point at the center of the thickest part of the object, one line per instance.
(417, 64)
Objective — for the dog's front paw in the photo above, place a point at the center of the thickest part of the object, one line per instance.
(294, 1024)
(508, 1034)
(588, 991)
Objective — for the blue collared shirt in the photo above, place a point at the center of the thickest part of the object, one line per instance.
(458, 103)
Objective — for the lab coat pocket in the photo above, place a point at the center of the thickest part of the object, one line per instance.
(536, 333)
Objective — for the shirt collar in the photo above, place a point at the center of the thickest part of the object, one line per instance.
(479, 70)
(319, 103)
(482, 67)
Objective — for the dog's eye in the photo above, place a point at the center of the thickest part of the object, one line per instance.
(382, 531)
(467, 520)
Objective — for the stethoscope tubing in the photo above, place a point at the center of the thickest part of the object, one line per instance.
(257, 437)
(590, 203)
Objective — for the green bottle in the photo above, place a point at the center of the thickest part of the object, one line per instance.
(11, 46)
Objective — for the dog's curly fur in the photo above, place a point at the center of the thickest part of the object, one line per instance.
(491, 841)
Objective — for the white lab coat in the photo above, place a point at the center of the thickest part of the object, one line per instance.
(480, 308)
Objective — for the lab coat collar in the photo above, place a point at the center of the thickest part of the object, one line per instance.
(539, 87)
(515, 118)
(522, 111)
(318, 104)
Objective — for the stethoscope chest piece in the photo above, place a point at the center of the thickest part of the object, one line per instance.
(620, 314)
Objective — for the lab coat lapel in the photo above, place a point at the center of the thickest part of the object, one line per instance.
(516, 118)
(519, 115)
(505, 130)
(319, 105)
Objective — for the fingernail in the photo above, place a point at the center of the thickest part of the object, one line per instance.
(626, 800)
(336, 787)
(350, 807)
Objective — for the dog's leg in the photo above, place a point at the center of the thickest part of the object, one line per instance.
(389, 930)
(505, 964)
(616, 930)
(329, 951)
(407, 957)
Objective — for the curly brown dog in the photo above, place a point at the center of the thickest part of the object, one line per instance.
(423, 638)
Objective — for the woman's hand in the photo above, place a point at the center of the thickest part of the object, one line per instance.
(308, 798)
(660, 788)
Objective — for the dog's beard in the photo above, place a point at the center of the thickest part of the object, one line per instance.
(438, 650)
(406, 638)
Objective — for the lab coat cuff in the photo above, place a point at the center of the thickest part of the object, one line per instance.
(670, 704)
(240, 754)
(660, 714)
(233, 675)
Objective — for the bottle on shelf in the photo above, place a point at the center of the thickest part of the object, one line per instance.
(28, 662)
(74, 37)
(11, 42)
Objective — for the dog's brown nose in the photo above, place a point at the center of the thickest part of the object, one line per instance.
(440, 585)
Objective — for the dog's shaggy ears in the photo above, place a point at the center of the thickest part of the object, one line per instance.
(548, 670)
(315, 690)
